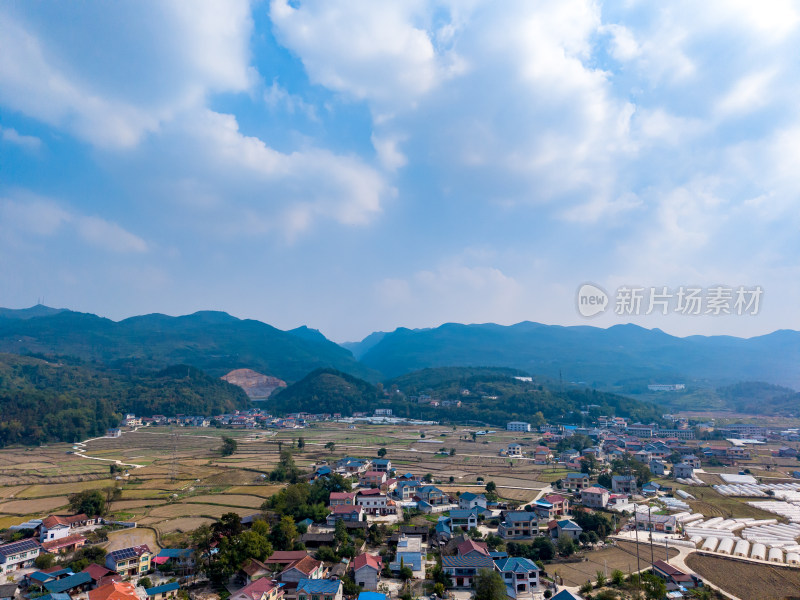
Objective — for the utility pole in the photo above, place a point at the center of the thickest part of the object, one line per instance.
(650, 524)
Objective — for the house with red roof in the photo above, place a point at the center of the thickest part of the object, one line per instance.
(345, 513)
(261, 589)
(367, 571)
(339, 498)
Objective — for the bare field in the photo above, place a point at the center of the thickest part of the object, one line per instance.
(26, 507)
(622, 557)
(184, 524)
(227, 499)
(181, 509)
(55, 489)
(752, 581)
(135, 536)
(262, 491)
(132, 504)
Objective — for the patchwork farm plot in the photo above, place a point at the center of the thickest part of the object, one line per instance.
(177, 480)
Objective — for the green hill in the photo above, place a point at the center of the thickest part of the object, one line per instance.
(603, 358)
(43, 401)
(215, 342)
(326, 390)
(495, 397)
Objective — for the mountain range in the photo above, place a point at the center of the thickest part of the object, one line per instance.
(622, 358)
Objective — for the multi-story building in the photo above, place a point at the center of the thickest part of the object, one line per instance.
(519, 525)
(594, 497)
(518, 426)
(18, 555)
(520, 575)
(375, 502)
(130, 562)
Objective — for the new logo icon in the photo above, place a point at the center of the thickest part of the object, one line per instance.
(592, 300)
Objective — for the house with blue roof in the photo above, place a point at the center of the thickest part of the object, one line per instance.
(464, 569)
(61, 596)
(406, 489)
(409, 554)
(469, 500)
(565, 526)
(565, 594)
(521, 575)
(161, 592)
(371, 596)
(72, 584)
(519, 525)
(576, 481)
(432, 495)
(319, 589)
(468, 519)
(381, 464)
(443, 531)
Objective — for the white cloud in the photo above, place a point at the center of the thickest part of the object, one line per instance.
(112, 99)
(265, 190)
(388, 152)
(749, 93)
(30, 214)
(379, 52)
(278, 97)
(12, 136)
(109, 236)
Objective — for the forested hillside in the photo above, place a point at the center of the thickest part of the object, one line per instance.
(43, 401)
(487, 395)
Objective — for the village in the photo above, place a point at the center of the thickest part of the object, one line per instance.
(632, 494)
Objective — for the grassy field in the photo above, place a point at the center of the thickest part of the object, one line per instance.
(751, 581)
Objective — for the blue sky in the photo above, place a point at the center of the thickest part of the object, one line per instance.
(360, 166)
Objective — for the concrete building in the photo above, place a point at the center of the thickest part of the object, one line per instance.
(518, 426)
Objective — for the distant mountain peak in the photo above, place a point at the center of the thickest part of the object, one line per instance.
(37, 310)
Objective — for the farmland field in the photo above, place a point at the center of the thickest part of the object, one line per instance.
(752, 581)
(40, 505)
(183, 479)
(622, 557)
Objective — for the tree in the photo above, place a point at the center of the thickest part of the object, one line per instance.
(283, 534)
(44, 561)
(428, 478)
(286, 469)
(452, 451)
(491, 487)
(330, 446)
(566, 545)
(406, 573)
(489, 585)
(381, 452)
(602, 580)
(653, 586)
(89, 502)
(585, 588)
(589, 464)
(228, 447)
(604, 479)
(452, 479)
(340, 532)
(145, 582)
(617, 577)
(112, 493)
(301, 443)
(350, 587)
(583, 538)
(229, 525)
